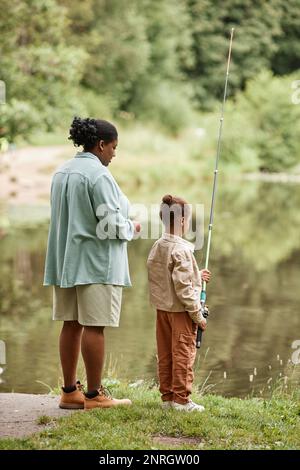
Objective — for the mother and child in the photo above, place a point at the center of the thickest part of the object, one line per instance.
(87, 265)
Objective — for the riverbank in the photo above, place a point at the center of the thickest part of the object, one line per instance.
(227, 423)
(25, 173)
(25, 176)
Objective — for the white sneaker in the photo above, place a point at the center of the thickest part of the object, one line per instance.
(188, 407)
(167, 404)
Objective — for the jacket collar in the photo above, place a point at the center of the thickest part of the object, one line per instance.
(87, 155)
(176, 239)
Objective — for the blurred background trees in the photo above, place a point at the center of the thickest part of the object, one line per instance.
(40, 69)
(157, 61)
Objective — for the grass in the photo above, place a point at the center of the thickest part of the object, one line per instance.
(44, 420)
(227, 423)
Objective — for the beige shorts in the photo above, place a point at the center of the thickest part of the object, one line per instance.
(89, 304)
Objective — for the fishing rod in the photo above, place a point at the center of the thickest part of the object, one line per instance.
(203, 308)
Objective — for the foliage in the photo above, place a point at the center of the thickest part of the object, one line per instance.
(169, 107)
(263, 125)
(257, 25)
(153, 60)
(286, 58)
(39, 69)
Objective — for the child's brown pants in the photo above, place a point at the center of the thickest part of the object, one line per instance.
(176, 339)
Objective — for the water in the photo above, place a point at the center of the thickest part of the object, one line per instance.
(254, 299)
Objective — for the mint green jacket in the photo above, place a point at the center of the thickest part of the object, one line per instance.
(89, 226)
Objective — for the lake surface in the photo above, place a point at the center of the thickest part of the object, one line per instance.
(254, 299)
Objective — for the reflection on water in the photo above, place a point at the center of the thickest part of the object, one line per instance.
(254, 300)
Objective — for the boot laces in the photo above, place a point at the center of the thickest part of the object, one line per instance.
(105, 391)
(79, 386)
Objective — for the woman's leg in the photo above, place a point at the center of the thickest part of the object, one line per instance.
(92, 350)
(69, 348)
(164, 353)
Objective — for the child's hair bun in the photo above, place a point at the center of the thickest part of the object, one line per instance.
(167, 199)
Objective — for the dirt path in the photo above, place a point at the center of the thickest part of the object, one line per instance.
(25, 174)
(19, 413)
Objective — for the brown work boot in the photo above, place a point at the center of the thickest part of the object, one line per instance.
(72, 400)
(104, 400)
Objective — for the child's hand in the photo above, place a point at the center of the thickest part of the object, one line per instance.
(203, 324)
(205, 275)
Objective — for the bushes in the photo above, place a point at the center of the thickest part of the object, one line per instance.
(18, 118)
(263, 125)
(166, 104)
(154, 62)
(41, 72)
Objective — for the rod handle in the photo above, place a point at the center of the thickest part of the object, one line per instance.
(199, 338)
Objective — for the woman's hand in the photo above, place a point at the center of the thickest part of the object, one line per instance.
(137, 226)
(205, 275)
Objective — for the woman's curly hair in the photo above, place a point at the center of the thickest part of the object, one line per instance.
(87, 132)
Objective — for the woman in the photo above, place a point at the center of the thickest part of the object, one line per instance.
(86, 258)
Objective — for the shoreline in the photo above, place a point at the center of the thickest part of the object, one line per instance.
(272, 177)
(25, 174)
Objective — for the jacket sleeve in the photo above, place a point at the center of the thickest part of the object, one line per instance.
(106, 201)
(196, 316)
(182, 274)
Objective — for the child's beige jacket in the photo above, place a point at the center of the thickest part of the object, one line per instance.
(174, 276)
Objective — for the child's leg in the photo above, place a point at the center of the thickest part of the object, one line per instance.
(184, 332)
(164, 352)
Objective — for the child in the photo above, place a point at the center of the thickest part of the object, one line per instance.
(175, 285)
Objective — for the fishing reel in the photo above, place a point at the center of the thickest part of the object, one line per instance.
(205, 312)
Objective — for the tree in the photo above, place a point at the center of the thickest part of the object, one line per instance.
(113, 34)
(257, 24)
(162, 93)
(263, 125)
(287, 57)
(39, 69)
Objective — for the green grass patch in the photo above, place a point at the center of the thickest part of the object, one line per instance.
(43, 420)
(227, 423)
